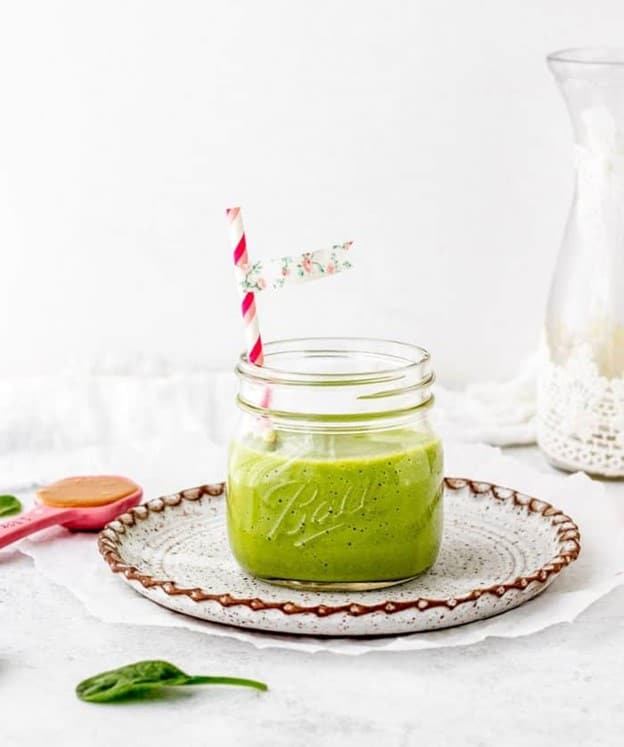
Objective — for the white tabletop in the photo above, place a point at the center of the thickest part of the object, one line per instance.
(562, 686)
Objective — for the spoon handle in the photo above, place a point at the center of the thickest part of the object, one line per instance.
(37, 518)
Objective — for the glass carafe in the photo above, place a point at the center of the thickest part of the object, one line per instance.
(581, 382)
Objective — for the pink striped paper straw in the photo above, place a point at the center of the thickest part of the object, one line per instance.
(248, 300)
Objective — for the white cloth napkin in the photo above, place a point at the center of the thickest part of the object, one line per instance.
(57, 425)
(501, 414)
(65, 424)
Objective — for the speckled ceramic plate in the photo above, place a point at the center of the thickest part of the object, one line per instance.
(500, 549)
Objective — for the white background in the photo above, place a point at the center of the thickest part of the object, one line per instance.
(429, 132)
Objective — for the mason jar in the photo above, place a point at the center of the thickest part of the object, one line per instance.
(335, 475)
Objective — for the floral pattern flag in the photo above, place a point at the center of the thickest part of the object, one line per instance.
(272, 274)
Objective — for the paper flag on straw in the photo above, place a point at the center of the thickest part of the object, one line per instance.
(272, 274)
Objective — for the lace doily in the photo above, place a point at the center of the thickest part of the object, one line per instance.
(580, 422)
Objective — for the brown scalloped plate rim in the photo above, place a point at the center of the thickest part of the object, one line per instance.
(567, 533)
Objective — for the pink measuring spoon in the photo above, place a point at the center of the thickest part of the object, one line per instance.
(75, 516)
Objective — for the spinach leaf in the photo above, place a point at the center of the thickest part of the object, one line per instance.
(135, 680)
(9, 505)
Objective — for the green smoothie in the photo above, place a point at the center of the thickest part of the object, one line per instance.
(336, 508)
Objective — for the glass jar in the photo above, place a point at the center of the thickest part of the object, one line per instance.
(581, 383)
(335, 475)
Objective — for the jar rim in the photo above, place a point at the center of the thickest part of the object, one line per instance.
(402, 359)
